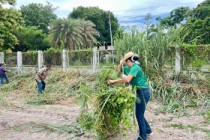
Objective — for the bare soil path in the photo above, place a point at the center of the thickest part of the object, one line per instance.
(21, 122)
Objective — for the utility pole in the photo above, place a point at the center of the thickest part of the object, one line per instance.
(110, 29)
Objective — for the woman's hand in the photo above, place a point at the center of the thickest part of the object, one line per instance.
(46, 79)
(110, 82)
(121, 62)
(121, 81)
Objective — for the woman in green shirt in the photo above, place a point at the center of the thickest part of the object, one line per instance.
(137, 79)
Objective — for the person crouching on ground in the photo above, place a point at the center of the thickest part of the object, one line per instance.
(3, 75)
(137, 79)
(40, 78)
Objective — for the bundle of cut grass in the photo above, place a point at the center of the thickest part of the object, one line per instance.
(106, 109)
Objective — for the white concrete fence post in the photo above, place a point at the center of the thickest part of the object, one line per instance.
(177, 61)
(40, 59)
(1, 57)
(98, 58)
(64, 60)
(94, 59)
(67, 58)
(19, 62)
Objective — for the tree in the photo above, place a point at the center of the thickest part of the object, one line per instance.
(120, 32)
(88, 33)
(73, 33)
(147, 22)
(155, 29)
(176, 16)
(100, 18)
(31, 38)
(198, 25)
(11, 2)
(66, 32)
(196, 22)
(202, 10)
(38, 15)
(10, 21)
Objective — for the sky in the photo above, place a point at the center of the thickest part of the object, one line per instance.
(128, 12)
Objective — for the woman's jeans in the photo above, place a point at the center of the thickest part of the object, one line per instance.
(144, 128)
(2, 79)
(41, 86)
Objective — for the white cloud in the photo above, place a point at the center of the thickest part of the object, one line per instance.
(127, 11)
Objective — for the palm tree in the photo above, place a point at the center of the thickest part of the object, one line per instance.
(67, 31)
(88, 32)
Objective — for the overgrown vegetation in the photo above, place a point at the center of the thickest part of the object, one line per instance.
(157, 56)
(80, 58)
(30, 57)
(61, 85)
(178, 93)
(195, 55)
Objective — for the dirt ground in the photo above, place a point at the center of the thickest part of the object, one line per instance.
(17, 122)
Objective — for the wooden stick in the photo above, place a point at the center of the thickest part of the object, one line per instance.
(122, 65)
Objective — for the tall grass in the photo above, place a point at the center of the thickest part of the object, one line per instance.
(156, 53)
